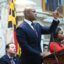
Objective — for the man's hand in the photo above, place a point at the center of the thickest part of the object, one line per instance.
(43, 54)
(55, 13)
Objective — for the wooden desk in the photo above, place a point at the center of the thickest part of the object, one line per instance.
(50, 59)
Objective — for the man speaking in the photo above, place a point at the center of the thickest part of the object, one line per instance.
(29, 36)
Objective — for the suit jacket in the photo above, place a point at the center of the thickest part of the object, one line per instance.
(30, 43)
(6, 60)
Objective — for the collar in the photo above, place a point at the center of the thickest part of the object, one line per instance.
(27, 21)
(9, 56)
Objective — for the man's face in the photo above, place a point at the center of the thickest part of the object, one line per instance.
(12, 49)
(32, 14)
(46, 48)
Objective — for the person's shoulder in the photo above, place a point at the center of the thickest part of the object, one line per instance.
(2, 61)
(52, 43)
(22, 25)
(3, 57)
(36, 23)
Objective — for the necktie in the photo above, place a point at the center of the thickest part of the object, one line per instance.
(12, 61)
(34, 29)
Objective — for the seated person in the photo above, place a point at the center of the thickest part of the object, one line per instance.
(45, 50)
(45, 46)
(10, 57)
(55, 41)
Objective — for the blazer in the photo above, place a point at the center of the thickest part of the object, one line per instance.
(6, 60)
(57, 47)
(30, 43)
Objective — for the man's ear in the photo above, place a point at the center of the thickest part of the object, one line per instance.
(7, 49)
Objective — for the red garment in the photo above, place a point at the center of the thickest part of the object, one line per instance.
(57, 47)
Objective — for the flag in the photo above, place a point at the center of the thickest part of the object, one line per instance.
(12, 23)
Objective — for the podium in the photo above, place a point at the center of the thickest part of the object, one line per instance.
(54, 58)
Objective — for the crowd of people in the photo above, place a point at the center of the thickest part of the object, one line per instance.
(29, 37)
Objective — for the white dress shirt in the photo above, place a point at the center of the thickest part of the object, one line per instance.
(29, 22)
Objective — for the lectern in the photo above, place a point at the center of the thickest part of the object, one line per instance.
(54, 58)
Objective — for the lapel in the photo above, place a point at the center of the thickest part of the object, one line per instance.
(29, 29)
(15, 59)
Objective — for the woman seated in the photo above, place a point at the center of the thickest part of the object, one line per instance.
(55, 41)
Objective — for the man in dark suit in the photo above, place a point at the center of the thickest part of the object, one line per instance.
(10, 57)
(29, 36)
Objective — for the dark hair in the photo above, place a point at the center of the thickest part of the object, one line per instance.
(7, 46)
(54, 36)
(45, 45)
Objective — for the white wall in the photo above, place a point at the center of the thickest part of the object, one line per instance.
(39, 2)
(3, 25)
